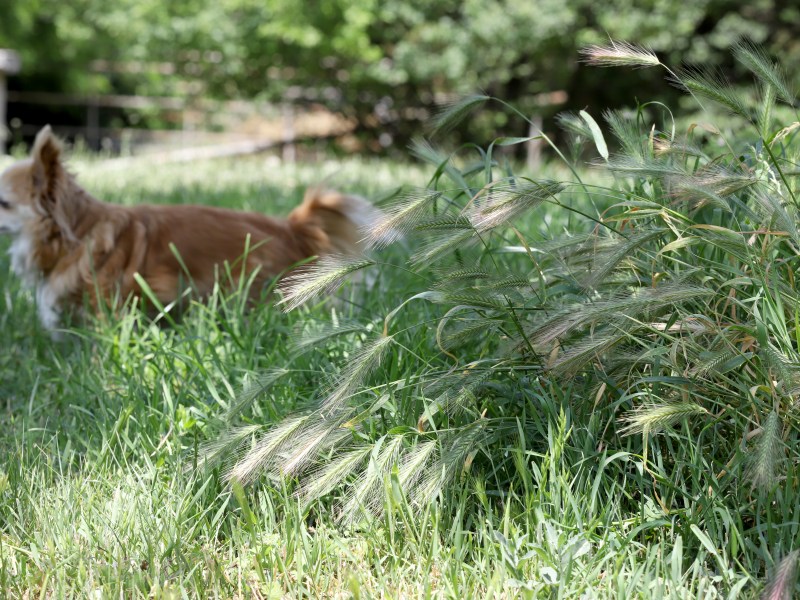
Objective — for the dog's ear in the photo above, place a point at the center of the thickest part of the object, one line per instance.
(48, 172)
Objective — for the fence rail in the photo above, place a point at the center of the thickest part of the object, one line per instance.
(276, 126)
(283, 120)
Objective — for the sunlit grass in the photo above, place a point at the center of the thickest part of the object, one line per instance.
(100, 435)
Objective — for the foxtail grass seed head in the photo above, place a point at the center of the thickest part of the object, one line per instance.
(620, 54)
(758, 62)
(657, 417)
(410, 209)
(502, 203)
(321, 278)
(452, 114)
(782, 582)
(768, 455)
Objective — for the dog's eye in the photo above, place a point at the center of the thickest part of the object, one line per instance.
(4, 204)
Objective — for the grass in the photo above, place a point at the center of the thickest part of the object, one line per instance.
(100, 494)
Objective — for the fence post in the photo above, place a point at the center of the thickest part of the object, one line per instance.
(535, 146)
(9, 65)
(93, 123)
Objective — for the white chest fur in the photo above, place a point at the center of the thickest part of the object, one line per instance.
(47, 299)
(20, 252)
(47, 305)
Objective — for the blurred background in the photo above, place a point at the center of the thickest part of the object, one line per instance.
(237, 76)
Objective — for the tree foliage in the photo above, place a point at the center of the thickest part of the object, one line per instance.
(384, 63)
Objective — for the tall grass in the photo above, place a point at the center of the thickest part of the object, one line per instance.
(101, 434)
(668, 311)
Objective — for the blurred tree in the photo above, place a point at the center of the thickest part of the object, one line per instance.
(386, 64)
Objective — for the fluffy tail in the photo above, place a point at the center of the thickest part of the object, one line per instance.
(333, 223)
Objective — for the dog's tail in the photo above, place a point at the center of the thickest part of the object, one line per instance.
(329, 222)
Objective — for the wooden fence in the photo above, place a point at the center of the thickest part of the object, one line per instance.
(280, 126)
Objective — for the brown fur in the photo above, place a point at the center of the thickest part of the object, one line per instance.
(73, 246)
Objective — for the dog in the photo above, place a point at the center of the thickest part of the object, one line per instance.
(77, 251)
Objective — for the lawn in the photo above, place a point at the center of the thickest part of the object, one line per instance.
(103, 490)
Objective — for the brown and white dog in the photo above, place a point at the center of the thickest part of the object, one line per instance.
(72, 248)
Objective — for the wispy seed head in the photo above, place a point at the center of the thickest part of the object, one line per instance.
(620, 54)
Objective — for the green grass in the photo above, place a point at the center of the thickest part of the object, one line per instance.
(101, 495)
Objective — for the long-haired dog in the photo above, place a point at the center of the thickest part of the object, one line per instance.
(72, 248)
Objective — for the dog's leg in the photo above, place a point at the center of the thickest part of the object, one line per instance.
(48, 309)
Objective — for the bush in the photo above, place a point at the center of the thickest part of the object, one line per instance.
(384, 65)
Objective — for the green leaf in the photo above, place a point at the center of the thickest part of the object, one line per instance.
(512, 141)
(599, 140)
(704, 539)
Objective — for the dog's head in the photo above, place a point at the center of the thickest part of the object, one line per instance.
(34, 189)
